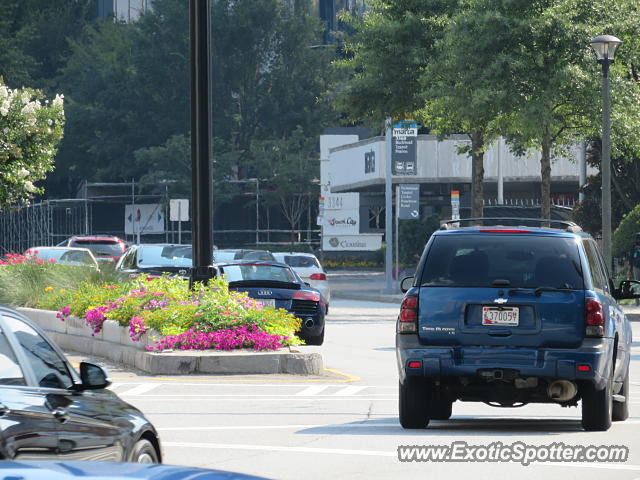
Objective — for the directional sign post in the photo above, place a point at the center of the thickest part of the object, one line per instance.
(179, 212)
(404, 148)
(409, 201)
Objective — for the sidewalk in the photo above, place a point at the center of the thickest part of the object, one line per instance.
(370, 286)
(361, 285)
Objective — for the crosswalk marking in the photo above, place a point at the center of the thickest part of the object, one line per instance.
(313, 390)
(141, 389)
(348, 391)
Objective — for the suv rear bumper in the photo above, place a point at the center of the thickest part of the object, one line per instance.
(465, 361)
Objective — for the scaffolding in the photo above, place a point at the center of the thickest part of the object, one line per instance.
(45, 223)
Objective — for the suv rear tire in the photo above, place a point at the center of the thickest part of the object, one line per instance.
(620, 410)
(441, 408)
(597, 406)
(414, 403)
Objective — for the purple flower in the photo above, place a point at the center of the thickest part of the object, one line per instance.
(95, 318)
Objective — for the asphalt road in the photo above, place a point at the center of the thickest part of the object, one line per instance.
(344, 425)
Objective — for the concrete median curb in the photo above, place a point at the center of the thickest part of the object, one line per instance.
(114, 343)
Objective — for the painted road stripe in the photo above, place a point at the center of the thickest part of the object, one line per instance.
(277, 427)
(348, 391)
(374, 453)
(309, 391)
(273, 448)
(278, 398)
(117, 386)
(141, 389)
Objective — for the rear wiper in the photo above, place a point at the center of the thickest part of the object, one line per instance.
(538, 290)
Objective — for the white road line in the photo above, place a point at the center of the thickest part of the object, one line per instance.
(277, 427)
(273, 448)
(277, 398)
(116, 386)
(252, 385)
(373, 453)
(313, 390)
(348, 391)
(141, 389)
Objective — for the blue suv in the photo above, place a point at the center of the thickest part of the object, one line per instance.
(510, 315)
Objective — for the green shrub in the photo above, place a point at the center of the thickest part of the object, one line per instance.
(624, 235)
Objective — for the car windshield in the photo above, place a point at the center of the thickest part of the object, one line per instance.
(68, 257)
(503, 260)
(274, 273)
(223, 255)
(164, 256)
(99, 247)
(301, 261)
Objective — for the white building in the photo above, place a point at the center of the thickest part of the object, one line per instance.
(349, 163)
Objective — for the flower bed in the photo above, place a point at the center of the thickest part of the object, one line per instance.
(206, 318)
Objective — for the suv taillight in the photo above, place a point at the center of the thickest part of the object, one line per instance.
(594, 317)
(317, 276)
(408, 315)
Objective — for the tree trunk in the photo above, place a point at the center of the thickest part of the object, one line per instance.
(477, 174)
(545, 172)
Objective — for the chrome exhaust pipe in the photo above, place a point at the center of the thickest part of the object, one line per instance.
(309, 323)
(562, 390)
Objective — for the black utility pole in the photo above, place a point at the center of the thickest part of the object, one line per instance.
(202, 235)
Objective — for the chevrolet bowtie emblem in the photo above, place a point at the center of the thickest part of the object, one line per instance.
(500, 300)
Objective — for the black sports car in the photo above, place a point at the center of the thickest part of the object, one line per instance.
(50, 412)
(156, 260)
(276, 284)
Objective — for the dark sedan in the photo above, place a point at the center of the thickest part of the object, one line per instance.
(49, 411)
(276, 284)
(156, 260)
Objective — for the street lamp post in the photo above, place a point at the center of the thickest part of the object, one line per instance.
(605, 47)
(202, 235)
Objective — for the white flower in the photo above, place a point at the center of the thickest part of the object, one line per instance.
(59, 100)
(29, 186)
(4, 92)
(23, 172)
(4, 108)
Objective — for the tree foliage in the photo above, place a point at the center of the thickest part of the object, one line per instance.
(518, 68)
(30, 129)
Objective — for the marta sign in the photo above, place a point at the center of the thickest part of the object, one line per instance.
(404, 148)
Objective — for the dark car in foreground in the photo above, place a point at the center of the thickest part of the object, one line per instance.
(156, 260)
(71, 470)
(507, 315)
(277, 285)
(49, 411)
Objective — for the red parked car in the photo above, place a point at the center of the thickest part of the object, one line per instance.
(106, 248)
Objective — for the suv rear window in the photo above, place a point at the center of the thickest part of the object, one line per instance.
(522, 260)
(100, 247)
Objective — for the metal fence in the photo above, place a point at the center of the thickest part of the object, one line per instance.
(46, 223)
(52, 221)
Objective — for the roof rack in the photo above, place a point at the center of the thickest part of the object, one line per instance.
(511, 222)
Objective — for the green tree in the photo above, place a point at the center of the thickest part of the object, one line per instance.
(34, 39)
(624, 235)
(30, 129)
(420, 60)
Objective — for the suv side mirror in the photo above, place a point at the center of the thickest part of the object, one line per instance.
(627, 289)
(93, 376)
(406, 283)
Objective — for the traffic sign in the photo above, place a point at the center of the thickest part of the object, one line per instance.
(409, 201)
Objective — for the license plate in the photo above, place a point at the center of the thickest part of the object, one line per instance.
(267, 302)
(509, 316)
